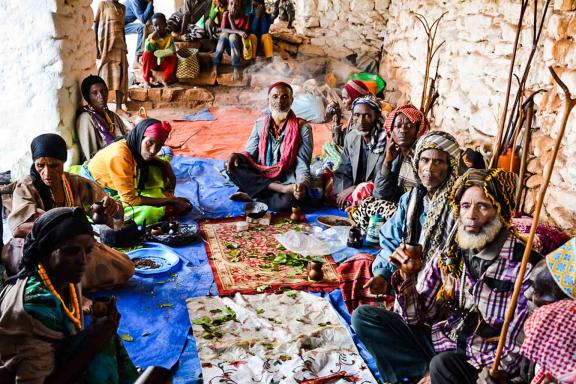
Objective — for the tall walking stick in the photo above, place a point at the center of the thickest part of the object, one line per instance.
(526, 149)
(570, 102)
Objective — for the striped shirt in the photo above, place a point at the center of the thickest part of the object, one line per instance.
(490, 294)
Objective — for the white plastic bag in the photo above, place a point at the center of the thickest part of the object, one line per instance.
(309, 107)
(318, 243)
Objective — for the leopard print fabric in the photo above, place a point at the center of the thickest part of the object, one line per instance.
(371, 206)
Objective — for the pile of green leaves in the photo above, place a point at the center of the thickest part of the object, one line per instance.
(211, 326)
(285, 258)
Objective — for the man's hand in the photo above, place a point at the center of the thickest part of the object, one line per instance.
(427, 379)
(154, 35)
(408, 259)
(486, 377)
(392, 151)
(112, 208)
(378, 285)
(232, 162)
(342, 197)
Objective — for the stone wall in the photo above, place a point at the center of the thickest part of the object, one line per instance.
(473, 71)
(40, 71)
(338, 28)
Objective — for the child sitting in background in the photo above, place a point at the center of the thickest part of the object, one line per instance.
(159, 53)
(260, 38)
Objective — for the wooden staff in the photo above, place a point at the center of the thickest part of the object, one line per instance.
(496, 147)
(526, 150)
(570, 103)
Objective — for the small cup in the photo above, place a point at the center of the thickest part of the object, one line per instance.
(242, 226)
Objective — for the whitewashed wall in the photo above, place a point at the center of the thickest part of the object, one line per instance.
(473, 72)
(40, 69)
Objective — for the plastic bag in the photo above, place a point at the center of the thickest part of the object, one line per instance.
(309, 107)
(318, 243)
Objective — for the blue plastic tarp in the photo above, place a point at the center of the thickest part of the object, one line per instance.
(154, 309)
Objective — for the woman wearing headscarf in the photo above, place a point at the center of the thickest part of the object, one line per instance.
(352, 90)
(130, 171)
(403, 126)
(48, 187)
(96, 125)
(42, 333)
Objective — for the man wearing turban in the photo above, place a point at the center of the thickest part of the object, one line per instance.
(364, 149)
(449, 315)
(275, 166)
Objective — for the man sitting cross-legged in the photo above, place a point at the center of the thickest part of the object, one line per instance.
(448, 316)
(275, 168)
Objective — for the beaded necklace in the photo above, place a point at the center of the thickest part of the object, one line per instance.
(74, 315)
(68, 196)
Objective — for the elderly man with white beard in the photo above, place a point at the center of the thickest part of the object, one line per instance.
(275, 166)
(364, 150)
(448, 316)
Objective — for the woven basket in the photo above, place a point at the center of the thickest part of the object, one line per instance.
(188, 64)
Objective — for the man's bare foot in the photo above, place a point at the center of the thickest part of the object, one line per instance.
(237, 75)
(240, 196)
(214, 72)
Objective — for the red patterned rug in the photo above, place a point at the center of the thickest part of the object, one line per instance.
(253, 261)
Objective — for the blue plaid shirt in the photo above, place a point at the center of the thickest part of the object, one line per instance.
(490, 294)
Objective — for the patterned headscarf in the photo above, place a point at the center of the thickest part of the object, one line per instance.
(356, 89)
(499, 186)
(551, 342)
(562, 266)
(413, 114)
(438, 221)
(377, 142)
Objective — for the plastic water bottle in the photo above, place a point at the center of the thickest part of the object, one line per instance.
(373, 230)
(316, 189)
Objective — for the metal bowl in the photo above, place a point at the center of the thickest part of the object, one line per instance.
(255, 210)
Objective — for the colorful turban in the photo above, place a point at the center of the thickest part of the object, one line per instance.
(550, 341)
(562, 266)
(437, 223)
(280, 84)
(498, 185)
(158, 131)
(356, 89)
(377, 142)
(413, 114)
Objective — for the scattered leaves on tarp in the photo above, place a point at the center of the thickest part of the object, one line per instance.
(324, 324)
(262, 288)
(126, 337)
(291, 294)
(146, 334)
(165, 305)
(259, 311)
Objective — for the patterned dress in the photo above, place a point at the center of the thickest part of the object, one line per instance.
(113, 67)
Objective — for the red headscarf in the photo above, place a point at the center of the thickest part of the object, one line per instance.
(356, 88)
(551, 341)
(158, 131)
(413, 114)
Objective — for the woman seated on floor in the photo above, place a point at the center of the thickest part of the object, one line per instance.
(96, 125)
(48, 187)
(42, 334)
(130, 171)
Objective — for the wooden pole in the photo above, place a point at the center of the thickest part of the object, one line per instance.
(496, 147)
(520, 121)
(524, 159)
(570, 103)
